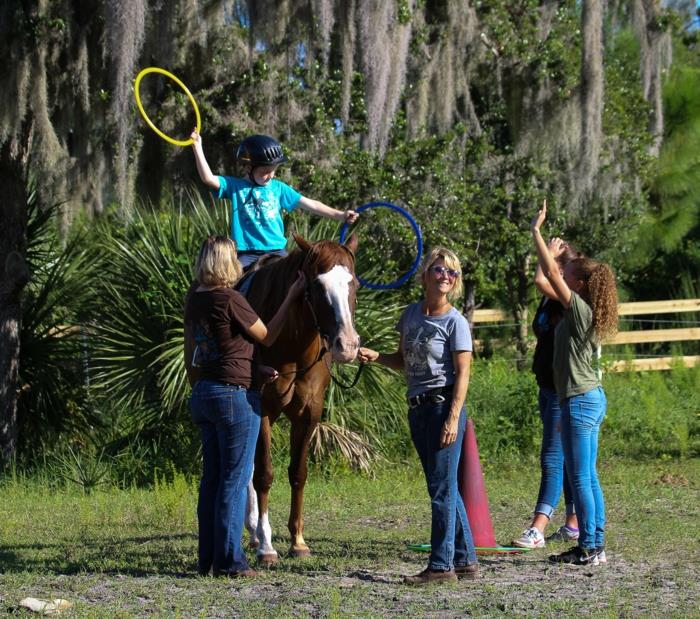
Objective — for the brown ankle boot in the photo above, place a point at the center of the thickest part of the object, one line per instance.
(427, 576)
(469, 572)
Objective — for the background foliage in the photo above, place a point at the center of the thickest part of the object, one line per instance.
(467, 113)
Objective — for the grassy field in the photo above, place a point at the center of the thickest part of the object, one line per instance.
(119, 553)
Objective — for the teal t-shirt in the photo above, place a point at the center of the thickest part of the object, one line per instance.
(574, 348)
(256, 212)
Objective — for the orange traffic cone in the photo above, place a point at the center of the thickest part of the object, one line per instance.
(473, 491)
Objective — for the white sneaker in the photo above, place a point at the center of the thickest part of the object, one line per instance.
(531, 538)
(600, 552)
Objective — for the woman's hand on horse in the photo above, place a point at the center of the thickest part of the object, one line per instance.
(298, 287)
(366, 355)
(538, 219)
(268, 374)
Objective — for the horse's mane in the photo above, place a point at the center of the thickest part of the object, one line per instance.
(272, 280)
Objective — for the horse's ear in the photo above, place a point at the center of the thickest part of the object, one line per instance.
(351, 243)
(303, 244)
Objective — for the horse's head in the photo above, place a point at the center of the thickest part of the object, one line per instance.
(331, 286)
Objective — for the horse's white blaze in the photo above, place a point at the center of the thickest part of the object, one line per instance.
(251, 512)
(336, 284)
(265, 536)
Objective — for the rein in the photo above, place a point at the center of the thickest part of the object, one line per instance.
(341, 384)
(322, 350)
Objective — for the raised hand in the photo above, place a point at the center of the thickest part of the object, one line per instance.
(556, 246)
(196, 138)
(538, 219)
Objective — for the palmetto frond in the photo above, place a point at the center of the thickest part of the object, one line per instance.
(53, 346)
(148, 268)
(352, 446)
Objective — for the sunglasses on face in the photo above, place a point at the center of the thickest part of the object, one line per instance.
(440, 271)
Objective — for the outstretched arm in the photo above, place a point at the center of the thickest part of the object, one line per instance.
(546, 258)
(209, 179)
(267, 334)
(319, 208)
(392, 360)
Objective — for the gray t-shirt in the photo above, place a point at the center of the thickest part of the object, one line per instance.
(573, 350)
(428, 343)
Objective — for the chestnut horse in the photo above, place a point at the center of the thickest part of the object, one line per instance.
(318, 330)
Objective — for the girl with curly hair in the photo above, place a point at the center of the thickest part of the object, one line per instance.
(553, 476)
(587, 291)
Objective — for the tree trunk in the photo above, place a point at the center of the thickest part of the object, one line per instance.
(591, 88)
(654, 58)
(14, 276)
(469, 303)
(520, 312)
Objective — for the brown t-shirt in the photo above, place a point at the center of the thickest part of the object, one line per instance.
(217, 320)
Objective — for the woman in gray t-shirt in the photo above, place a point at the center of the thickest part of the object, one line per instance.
(587, 291)
(435, 354)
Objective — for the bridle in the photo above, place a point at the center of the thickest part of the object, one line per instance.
(323, 338)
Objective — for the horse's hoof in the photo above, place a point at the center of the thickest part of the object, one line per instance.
(300, 552)
(267, 559)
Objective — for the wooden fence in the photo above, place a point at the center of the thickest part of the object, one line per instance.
(639, 308)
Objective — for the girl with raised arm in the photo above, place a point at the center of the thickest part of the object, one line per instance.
(587, 291)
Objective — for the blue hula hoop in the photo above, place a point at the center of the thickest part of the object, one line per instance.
(419, 245)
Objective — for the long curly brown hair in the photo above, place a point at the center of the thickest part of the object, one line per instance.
(600, 292)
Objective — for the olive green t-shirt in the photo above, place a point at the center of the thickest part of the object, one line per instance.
(574, 348)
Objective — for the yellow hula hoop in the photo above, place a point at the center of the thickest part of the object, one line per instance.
(137, 94)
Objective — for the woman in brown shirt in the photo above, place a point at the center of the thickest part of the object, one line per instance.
(221, 330)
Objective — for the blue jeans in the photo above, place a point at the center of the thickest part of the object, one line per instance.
(580, 425)
(249, 258)
(451, 539)
(228, 417)
(554, 474)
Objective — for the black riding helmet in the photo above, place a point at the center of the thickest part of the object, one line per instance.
(259, 150)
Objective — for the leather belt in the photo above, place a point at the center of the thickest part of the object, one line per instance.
(433, 396)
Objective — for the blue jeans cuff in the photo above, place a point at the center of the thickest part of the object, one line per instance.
(543, 508)
(570, 510)
(439, 567)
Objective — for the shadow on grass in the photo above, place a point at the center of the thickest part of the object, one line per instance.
(176, 556)
(131, 556)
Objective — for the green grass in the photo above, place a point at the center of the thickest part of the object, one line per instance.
(132, 553)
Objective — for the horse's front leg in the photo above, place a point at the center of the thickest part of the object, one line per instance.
(251, 516)
(302, 430)
(262, 481)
